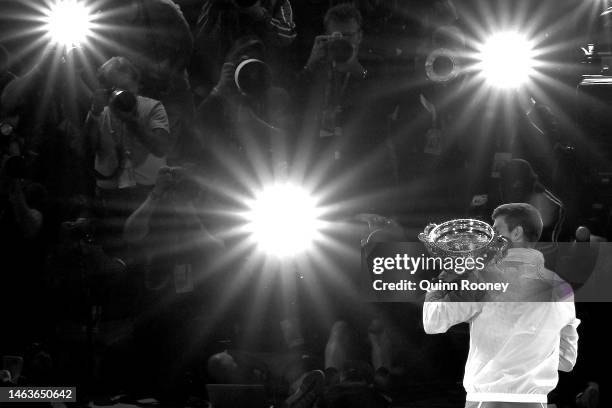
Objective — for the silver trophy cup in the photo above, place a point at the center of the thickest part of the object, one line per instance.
(464, 238)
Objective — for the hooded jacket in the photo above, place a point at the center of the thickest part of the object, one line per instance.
(518, 339)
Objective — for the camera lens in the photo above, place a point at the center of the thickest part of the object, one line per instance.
(443, 66)
(123, 101)
(340, 50)
(252, 77)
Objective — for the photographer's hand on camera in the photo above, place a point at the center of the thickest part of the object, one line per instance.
(226, 87)
(17, 92)
(99, 101)
(156, 140)
(137, 225)
(318, 54)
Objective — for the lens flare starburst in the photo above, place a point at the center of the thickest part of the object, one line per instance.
(506, 60)
(283, 220)
(68, 23)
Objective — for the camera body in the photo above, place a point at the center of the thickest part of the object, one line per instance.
(339, 49)
(122, 100)
(252, 76)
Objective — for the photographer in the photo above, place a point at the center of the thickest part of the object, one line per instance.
(344, 115)
(48, 101)
(156, 38)
(333, 74)
(244, 110)
(222, 22)
(130, 137)
(172, 244)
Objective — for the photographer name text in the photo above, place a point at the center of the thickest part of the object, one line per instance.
(429, 286)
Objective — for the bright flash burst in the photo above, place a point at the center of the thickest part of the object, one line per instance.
(283, 220)
(506, 60)
(68, 23)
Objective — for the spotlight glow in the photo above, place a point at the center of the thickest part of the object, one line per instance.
(68, 23)
(283, 220)
(507, 60)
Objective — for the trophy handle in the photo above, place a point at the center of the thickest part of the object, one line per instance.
(424, 236)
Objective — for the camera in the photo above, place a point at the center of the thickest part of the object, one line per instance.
(339, 49)
(252, 77)
(122, 100)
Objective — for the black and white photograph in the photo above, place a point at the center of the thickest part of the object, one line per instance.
(305, 203)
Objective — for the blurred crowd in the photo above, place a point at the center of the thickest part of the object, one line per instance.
(122, 158)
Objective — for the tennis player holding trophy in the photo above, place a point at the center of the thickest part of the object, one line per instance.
(519, 338)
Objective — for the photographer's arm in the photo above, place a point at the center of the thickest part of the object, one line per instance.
(156, 140)
(154, 132)
(91, 127)
(20, 88)
(212, 116)
(17, 91)
(205, 237)
(137, 225)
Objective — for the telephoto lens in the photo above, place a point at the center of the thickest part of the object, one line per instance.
(122, 100)
(253, 77)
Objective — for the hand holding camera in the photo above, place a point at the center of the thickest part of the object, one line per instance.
(318, 54)
(121, 102)
(330, 48)
(249, 77)
(123, 105)
(98, 101)
(226, 85)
